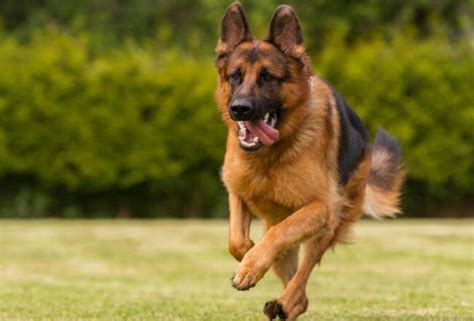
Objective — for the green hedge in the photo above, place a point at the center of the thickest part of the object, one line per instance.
(422, 93)
(77, 122)
(193, 24)
(135, 130)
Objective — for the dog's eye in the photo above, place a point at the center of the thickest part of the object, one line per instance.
(235, 78)
(265, 75)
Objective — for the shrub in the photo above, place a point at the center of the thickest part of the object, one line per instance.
(422, 93)
(135, 131)
(85, 123)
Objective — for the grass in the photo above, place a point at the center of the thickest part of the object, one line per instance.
(180, 270)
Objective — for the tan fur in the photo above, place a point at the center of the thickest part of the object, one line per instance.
(292, 185)
(385, 202)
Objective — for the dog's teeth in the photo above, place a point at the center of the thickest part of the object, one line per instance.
(255, 139)
(265, 118)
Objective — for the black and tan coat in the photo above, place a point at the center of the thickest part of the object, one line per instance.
(312, 182)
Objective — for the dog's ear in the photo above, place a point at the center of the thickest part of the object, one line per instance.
(285, 32)
(234, 30)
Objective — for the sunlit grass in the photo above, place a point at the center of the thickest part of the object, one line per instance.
(180, 270)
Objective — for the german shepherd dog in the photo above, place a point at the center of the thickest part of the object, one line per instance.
(297, 157)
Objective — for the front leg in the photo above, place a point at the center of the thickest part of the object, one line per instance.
(239, 228)
(306, 222)
(294, 301)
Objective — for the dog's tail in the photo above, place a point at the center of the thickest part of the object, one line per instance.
(382, 193)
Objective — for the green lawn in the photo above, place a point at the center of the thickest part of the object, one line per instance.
(180, 270)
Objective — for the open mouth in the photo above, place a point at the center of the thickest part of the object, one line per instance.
(252, 135)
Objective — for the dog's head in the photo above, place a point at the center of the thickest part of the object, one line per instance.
(261, 83)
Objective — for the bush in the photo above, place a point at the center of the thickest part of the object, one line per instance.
(422, 93)
(137, 118)
(135, 131)
(193, 24)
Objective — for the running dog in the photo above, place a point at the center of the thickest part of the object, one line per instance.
(297, 157)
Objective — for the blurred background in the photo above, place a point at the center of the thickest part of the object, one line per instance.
(107, 107)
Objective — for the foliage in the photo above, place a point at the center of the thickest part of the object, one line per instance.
(192, 24)
(80, 122)
(422, 93)
(136, 130)
(106, 106)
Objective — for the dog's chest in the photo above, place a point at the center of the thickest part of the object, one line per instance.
(273, 191)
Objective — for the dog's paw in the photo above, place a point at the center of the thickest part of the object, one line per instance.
(252, 268)
(249, 272)
(274, 309)
(245, 277)
(239, 249)
(288, 307)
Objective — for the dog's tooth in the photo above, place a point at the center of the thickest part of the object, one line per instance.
(273, 120)
(265, 118)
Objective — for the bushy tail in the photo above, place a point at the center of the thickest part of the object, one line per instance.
(382, 193)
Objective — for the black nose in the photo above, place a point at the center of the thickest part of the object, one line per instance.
(241, 109)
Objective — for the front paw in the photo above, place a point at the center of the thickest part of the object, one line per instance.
(250, 271)
(239, 249)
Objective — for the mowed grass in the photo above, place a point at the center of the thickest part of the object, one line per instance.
(180, 270)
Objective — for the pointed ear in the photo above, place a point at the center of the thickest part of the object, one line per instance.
(285, 32)
(234, 30)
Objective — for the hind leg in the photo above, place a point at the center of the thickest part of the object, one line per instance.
(285, 267)
(293, 301)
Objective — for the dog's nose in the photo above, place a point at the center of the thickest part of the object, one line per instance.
(241, 109)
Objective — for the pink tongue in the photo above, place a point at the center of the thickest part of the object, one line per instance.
(265, 133)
